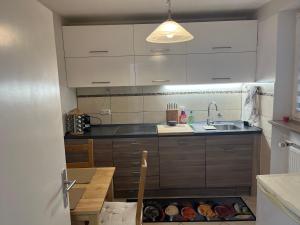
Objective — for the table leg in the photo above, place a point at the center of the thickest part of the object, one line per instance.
(93, 220)
(110, 193)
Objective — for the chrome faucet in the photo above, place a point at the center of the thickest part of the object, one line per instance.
(209, 121)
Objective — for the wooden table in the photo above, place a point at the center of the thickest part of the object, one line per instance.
(97, 191)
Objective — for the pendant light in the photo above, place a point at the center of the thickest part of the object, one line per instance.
(169, 31)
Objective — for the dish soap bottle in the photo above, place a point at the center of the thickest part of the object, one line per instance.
(191, 118)
(182, 117)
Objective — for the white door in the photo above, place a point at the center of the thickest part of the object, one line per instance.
(31, 133)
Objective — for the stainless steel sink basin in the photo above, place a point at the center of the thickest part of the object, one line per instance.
(226, 127)
(220, 126)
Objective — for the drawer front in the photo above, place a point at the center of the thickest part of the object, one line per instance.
(230, 140)
(103, 151)
(132, 183)
(132, 156)
(127, 171)
(132, 167)
(103, 156)
(73, 157)
(229, 165)
(135, 144)
(167, 144)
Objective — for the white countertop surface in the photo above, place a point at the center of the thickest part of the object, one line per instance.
(284, 188)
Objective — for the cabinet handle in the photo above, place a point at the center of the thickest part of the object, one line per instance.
(99, 51)
(221, 47)
(101, 82)
(228, 149)
(162, 50)
(135, 153)
(135, 143)
(221, 78)
(135, 172)
(160, 81)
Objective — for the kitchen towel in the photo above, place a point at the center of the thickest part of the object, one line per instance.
(250, 110)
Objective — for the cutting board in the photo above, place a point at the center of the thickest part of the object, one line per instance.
(179, 129)
(81, 175)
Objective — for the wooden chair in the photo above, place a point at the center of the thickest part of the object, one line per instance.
(125, 213)
(81, 148)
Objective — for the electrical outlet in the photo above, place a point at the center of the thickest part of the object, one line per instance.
(105, 112)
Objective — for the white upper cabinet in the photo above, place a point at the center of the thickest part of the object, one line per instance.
(223, 36)
(100, 71)
(102, 40)
(160, 69)
(142, 47)
(221, 67)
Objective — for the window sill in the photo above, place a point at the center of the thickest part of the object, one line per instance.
(292, 125)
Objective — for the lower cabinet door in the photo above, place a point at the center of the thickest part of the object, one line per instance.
(182, 162)
(228, 165)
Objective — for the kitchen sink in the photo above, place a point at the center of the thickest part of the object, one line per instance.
(200, 127)
(226, 127)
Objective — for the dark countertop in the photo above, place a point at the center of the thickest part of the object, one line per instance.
(150, 130)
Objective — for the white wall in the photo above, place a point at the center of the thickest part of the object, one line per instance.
(267, 50)
(275, 6)
(68, 95)
(32, 148)
(276, 57)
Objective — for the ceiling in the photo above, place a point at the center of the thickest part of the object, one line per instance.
(131, 9)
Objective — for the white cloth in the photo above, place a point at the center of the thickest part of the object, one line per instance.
(250, 111)
(118, 213)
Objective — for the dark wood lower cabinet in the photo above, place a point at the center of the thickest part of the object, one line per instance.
(182, 162)
(177, 166)
(229, 161)
(127, 154)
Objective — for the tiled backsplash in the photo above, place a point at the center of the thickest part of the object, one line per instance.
(148, 104)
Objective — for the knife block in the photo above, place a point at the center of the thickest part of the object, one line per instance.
(172, 115)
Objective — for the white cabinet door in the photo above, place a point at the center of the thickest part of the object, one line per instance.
(100, 71)
(160, 69)
(235, 67)
(104, 40)
(142, 47)
(221, 67)
(223, 36)
(200, 68)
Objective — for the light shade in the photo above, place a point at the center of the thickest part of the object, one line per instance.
(169, 32)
